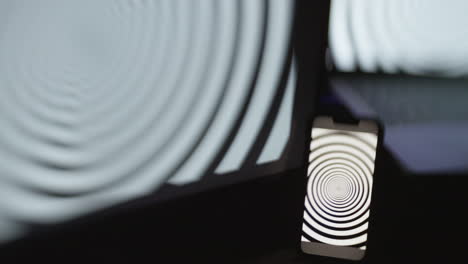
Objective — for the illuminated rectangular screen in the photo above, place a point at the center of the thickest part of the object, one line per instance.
(339, 188)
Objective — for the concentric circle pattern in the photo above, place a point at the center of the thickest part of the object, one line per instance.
(341, 166)
(104, 101)
(421, 37)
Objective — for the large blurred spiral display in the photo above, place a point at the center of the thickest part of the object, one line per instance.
(341, 167)
(104, 101)
(422, 37)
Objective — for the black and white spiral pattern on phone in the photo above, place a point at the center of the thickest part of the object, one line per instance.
(341, 167)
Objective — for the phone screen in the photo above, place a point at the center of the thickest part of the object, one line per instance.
(339, 188)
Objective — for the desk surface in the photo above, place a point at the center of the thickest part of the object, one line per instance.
(414, 219)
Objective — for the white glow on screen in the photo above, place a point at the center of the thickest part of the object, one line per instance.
(104, 101)
(422, 37)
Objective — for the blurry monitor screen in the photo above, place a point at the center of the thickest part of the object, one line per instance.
(405, 62)
(103, 102)
(400, 36)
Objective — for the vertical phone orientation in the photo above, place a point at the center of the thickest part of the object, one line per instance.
(339, 188)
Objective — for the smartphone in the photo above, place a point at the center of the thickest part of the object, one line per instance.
(339, 188)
